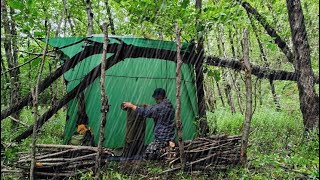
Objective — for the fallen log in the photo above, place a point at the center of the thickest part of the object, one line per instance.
(63, 163)
(258, 71)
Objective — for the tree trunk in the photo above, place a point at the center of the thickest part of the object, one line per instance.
(178, 100)
(227, 88)
(6, 83)
(248, 115)
(238, 92)
(113, 32)
(90, 17)
(104, 102)
(11, 55)
(35, 93)
(203, 124)
(209, 96)
(67, 18)
(220, 94)
(309, 100)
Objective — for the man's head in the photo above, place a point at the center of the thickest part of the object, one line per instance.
(159, 94)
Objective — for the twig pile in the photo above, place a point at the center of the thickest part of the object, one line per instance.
(214, 152)
(62, 160)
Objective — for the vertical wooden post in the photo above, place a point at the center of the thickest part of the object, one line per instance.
(35, 93)
(203, 125)
(248, 113)
(178, 100)
(104, 102)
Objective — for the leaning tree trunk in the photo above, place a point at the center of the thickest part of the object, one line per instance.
(10, 46)
(104, 102)
(178, 100)
(309, 100)
(248, 114)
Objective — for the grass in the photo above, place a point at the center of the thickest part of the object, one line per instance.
(279, 148)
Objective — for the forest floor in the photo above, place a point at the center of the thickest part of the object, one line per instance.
(279, 148)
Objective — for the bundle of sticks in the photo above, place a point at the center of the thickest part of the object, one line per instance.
(213, 152)
(62, 160)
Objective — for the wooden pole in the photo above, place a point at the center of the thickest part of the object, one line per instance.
(178, 100)
(248, 113)
(35, 94)
(104, 102)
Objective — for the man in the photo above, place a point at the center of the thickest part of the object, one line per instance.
(163, 114)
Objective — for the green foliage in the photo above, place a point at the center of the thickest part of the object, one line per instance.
(278, 149)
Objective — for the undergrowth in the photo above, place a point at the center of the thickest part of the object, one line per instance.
(279, 148)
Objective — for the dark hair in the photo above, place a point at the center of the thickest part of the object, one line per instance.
(159, 93)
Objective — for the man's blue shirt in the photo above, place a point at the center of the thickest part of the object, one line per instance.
(163, 115)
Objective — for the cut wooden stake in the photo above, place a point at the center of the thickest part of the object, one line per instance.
(248, 113)
(35, 94)
(178, 100)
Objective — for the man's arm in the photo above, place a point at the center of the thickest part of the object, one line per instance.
(146, 111)
(129, 105)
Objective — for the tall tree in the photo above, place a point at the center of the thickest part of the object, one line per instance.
(110, 17)
(203, 124)
(309, 100)
(90, 17)
(67, 17)
(11, 50)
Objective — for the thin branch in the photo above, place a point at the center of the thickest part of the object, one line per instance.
(27, 62)
(18, 121)
(272, 32)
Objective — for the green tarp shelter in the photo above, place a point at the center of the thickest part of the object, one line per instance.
(131, 76)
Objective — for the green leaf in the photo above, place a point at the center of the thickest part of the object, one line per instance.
(39, 34)
(35, 62)
(185, 3)
(16, 4)
(216, 75)
(272, 46)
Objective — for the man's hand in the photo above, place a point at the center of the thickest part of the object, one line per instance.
(129, 105)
